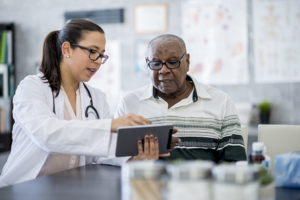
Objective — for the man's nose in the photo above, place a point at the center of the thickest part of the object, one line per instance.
(164, 69)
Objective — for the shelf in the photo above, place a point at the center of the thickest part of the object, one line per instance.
(8, 84)
(5, 142)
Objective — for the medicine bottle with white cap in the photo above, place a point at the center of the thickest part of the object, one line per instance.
(257, 156)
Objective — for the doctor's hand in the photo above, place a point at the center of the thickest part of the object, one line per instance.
(128, 120)
(150, 150)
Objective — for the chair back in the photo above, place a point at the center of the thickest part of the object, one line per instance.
(245, 135)
(279, 139)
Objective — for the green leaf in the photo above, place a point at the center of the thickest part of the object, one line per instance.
(264, 107)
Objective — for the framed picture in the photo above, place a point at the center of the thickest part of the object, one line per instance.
(151, 18)
(3, 80)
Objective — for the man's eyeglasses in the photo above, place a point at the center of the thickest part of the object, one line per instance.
(171, 64)
(94, 55)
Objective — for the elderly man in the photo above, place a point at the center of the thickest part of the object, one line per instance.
(206, 118)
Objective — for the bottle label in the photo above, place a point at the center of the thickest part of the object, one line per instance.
(266, 164)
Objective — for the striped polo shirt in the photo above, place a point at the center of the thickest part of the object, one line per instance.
(207, 121)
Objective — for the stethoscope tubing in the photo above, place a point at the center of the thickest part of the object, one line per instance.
(87, 108)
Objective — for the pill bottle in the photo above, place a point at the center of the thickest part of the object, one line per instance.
(141, 180)
(189, 180)
(257, 156)
(233, 182)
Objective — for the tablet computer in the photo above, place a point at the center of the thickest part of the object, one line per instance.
(127, 139)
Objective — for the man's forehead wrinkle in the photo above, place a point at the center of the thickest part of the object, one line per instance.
(168, 51)
(155, 55)
(155, 52)
(165, 52)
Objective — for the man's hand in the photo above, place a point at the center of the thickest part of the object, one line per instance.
(151, 149)
(174, 140)
(173, 144)
(128, 120)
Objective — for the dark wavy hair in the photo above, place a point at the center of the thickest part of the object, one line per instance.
(72, 32)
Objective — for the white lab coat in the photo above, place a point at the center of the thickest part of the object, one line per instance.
(38, 132)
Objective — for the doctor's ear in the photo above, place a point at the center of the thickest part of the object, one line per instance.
(66, 49)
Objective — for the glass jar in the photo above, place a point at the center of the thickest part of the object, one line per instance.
(233, 182)
(189, 180)
(141, 180)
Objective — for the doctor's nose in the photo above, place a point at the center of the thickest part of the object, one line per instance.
(98, 61)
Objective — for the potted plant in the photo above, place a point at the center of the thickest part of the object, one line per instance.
(265, 110)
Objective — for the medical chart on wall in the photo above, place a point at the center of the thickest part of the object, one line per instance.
(216, 35)
(276, 40)
(108, 77)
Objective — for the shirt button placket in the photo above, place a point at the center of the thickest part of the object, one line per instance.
(171, 112)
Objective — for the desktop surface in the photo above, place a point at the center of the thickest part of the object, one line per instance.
(87, 182)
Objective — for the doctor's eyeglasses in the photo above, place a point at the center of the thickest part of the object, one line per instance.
(94, 55)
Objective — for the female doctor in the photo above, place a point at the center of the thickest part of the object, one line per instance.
(56, 114)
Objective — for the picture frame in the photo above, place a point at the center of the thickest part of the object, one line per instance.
(3, 81)
(151, 18)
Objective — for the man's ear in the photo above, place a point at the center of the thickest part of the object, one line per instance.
(66, 49)
(187, 59)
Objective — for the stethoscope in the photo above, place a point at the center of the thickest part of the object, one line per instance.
(91, 106)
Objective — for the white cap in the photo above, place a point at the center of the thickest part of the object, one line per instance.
(257, 146)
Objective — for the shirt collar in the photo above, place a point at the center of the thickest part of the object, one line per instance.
(201, 91)
(148, 92)
(198, 91)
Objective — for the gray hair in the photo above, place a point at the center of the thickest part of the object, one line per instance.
(166, 37)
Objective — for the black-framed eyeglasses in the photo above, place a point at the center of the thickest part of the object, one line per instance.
(94, 55)
(171, 64)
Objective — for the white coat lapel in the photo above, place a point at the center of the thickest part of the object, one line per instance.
(59, 106)
(85, 100)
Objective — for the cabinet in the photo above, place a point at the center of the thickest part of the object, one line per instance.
(7, 83)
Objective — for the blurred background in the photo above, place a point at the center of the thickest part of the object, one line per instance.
(250, 49)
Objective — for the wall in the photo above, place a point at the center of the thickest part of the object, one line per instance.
(35, 19)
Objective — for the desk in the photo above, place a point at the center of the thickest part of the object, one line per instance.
(87, 182)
